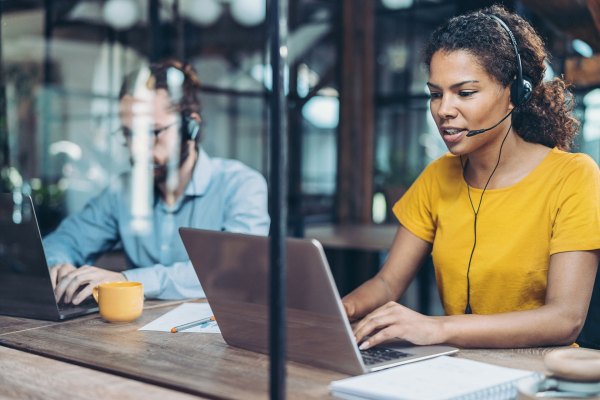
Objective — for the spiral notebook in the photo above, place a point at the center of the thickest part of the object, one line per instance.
(439, 378)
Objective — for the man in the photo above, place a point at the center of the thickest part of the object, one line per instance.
(200, 192)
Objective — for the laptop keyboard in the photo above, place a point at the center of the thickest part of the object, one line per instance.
(89, 302)
(377, 355)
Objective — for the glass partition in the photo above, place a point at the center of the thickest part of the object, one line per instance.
(62, 61)
(62, 65)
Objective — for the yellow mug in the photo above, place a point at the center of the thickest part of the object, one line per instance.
(119, 301)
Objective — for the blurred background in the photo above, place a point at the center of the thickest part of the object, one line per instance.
(359, 127)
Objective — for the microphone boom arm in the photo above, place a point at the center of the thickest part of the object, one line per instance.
(478, 131)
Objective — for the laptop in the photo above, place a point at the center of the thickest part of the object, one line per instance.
(25, 285)
(234, 271)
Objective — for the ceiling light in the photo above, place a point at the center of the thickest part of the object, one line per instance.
(582, 48)
(323, 112)
(121, 14)
(248, 12)
(201, 12)
(397, 4)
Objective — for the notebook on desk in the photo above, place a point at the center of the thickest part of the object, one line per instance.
(25, 285)
(233, 270)
(442, 378)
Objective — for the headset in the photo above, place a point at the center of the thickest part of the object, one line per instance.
(521, 88)
(189, 127)
(520, 92)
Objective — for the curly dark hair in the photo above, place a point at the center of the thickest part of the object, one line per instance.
(189, 101)
(547, 118)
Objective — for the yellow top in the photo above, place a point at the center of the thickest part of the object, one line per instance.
(556, 208)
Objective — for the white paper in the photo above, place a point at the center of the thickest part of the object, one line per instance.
(187, 312)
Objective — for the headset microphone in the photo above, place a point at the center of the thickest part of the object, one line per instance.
(478, 131)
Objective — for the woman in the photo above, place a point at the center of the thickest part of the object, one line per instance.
(512, 220)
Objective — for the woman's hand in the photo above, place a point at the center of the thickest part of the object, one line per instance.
(393, 321)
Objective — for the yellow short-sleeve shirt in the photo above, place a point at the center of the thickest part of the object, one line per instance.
(556, 208)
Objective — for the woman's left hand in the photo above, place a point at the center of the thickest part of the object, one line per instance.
(393, 321)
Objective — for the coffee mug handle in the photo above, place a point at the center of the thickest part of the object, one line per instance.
(95, 292)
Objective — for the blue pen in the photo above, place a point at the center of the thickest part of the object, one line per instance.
(202, 322)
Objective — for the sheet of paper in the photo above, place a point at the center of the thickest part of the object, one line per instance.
(187, 312)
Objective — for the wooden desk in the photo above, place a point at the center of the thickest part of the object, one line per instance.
(27, 376)
(354, 236)
(198, 364)
(16, 324)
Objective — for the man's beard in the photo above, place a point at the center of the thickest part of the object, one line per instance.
(161, 171)
(160, 174)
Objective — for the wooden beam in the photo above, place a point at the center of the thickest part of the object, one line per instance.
(583, 72)
(356, 131)
(572, 17)
(594, 7)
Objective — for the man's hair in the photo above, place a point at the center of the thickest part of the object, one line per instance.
(189, 101)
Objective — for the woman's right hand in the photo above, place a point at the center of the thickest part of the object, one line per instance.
(366, 298)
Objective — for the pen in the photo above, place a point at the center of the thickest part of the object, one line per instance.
(192, 324)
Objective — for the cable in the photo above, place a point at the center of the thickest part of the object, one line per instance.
(476, 214)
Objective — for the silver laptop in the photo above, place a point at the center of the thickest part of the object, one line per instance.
(234, 272)
(25, 286)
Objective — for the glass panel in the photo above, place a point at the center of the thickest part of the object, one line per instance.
(64, 142)
(400, 36)
(589, 113)
(407, 141)
(406, 136)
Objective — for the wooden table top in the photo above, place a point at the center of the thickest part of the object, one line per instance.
(16, 324)
(198, 364)
(367, 237)
(10, 324)
(28, 376)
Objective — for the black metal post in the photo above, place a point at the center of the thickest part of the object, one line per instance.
(154, 26)
(48, 25)
(295, 214)
(277, 32)
(48, 78)
(180, 36)
(4, 150)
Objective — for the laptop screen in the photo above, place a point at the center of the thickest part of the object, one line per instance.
(25, 287)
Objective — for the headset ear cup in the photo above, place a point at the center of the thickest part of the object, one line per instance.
(527, 90)
(189, 127)
(520, 93)
(515, 93)
(193, 127)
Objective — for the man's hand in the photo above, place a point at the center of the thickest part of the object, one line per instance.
(59, 271)
(66, 280)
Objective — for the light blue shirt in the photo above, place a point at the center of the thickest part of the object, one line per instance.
(222, 195)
